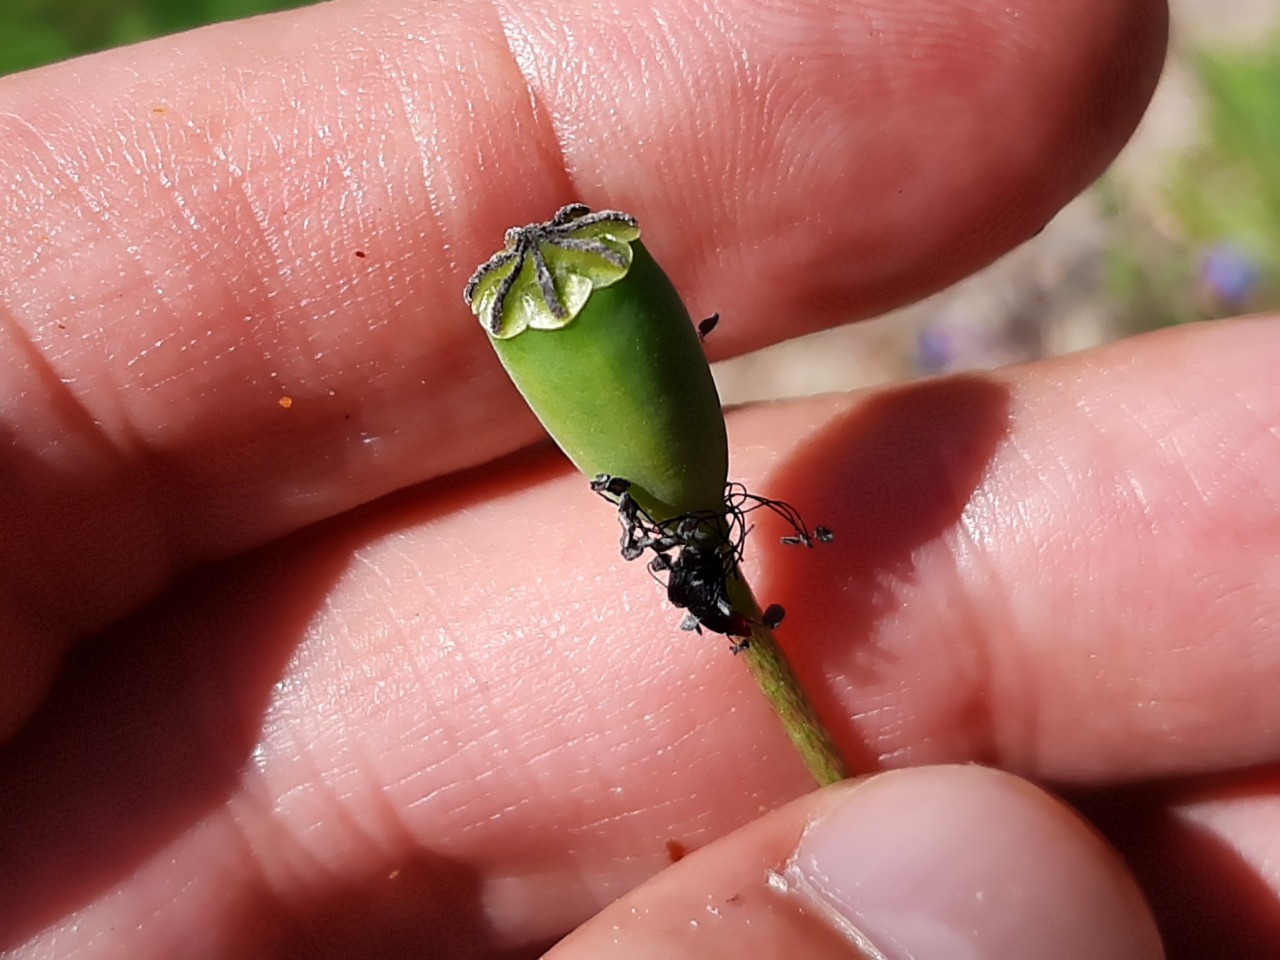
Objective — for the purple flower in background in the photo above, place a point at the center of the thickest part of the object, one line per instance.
(1229, 274)
(935, 349)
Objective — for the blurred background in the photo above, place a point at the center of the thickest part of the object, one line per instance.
(1184, 226)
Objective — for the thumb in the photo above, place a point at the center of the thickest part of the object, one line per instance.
(931, 863)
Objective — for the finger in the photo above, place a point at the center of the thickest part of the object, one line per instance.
(233, 259)
(929, 863)
(467, 683)
(1204, 851)
(1068, 568)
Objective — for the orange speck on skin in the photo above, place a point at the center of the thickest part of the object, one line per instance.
(285, 402)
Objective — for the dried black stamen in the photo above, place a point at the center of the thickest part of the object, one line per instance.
(698, 553)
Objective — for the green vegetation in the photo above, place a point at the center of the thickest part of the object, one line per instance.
(36, 32)
(1215, 248)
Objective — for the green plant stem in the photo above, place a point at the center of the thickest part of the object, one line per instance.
(781, 687)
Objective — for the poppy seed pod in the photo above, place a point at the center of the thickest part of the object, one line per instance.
(597, 340)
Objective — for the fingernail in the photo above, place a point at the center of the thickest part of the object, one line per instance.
(961, 863)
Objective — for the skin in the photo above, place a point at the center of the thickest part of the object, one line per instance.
(258, 703)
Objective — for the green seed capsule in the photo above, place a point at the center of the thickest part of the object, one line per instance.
(599, 343)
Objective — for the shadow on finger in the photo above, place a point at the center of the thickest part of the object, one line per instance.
(152, 726)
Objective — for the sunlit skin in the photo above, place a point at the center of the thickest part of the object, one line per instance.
(329, 678)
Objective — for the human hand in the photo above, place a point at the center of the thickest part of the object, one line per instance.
(297, 718)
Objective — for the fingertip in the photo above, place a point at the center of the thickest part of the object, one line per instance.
(942, 862)
(934, 862)
(822, 162)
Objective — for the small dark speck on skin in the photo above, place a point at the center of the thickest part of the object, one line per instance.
(346, 416)
(62, 326)
(736, 898)
(676, 851)
(361, 254)
(706, 326)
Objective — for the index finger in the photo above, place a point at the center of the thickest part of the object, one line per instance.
(230, 293)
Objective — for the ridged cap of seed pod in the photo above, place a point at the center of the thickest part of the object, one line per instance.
(595, 337)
